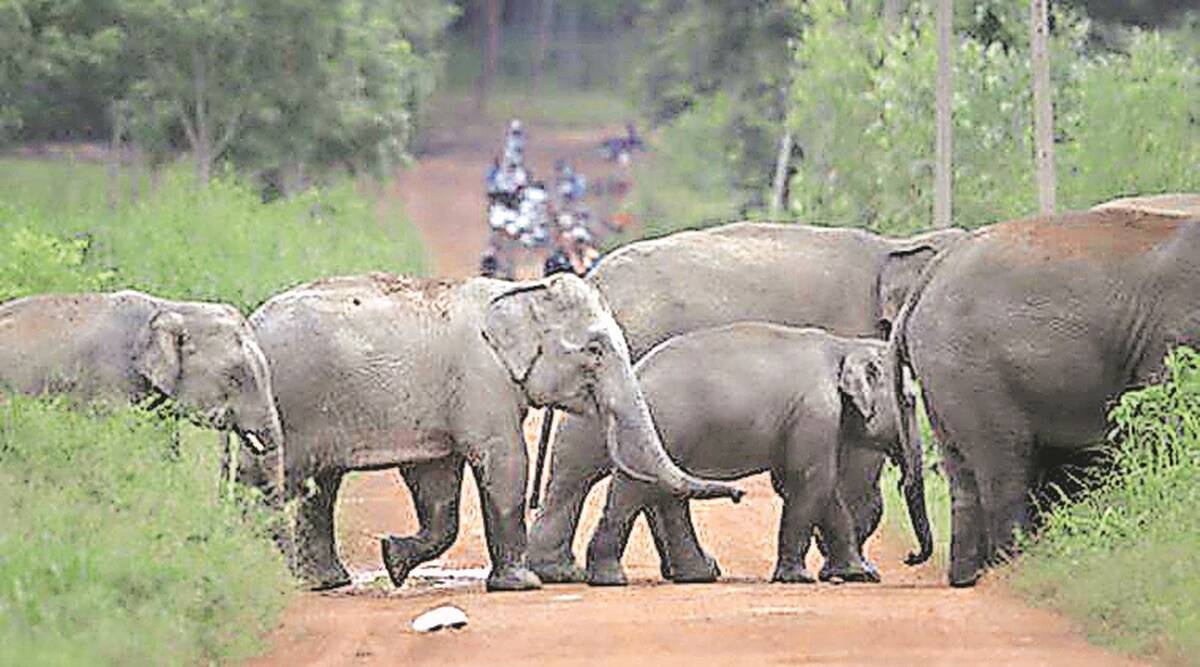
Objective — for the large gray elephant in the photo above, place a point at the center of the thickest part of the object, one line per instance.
(378, 371)
(1022, 335)
(129, 346)
(755, 397)
(848, 281)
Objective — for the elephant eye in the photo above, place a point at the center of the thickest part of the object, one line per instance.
(595, 348)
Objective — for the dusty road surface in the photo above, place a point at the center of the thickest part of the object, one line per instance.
(912, 619)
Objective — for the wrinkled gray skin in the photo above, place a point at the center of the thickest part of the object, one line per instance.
(1178, 204)
(128, 346)
(754, 397)
(847, 281)
(1024, 334)
(376, 372)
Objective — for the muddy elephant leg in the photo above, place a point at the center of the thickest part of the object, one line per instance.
(501, 476)
(436, 487)
(317, 561)
(578, 460)
(804, 500)
(968, 536)
(626, 499)
(844, 560)
(673, 529)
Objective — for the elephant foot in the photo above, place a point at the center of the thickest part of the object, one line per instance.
(326, 580)
(399, 557)
(705, 571)
(606, 572)
(964, 574)
(512, 578)
(849, 574)
(787, 573)
(559, 572)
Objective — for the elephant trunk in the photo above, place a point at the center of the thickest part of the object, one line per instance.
(634, 446)
(910, 457)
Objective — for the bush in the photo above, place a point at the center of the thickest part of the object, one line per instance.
(686, 181)
(31, 263)
(217, 243)
(114, 552)
(1123, 558)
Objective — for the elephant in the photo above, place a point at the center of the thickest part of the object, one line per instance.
(126, 347)
(1023, 334)
(1182, 205)
(848, 281)
(380, 371)
(752, 397)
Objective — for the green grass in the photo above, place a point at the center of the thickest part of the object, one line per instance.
(1122, 560)
(217, 243)
(113, 552)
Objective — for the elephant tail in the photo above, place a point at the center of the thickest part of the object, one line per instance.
(911, 454)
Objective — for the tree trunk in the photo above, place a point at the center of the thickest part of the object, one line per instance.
(492, 10)
(892, 9)
(781, 173)
(574, 47)
(545, 27)
(943, 178)
(1043, 116)
(114, 158)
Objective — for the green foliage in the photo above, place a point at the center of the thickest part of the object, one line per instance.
(115, 552)
(32, 263)
(1123, 558)
(216, 243)
(269, 85)
(686, 179)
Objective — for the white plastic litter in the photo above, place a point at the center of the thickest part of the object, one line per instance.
(439, 618)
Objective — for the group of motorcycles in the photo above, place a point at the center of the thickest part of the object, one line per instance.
(553, 224)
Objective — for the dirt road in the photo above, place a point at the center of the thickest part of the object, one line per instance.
(911, 619)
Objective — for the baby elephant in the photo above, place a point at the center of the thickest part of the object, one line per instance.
(752, 397)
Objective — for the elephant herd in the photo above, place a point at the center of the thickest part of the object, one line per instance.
(679, 365)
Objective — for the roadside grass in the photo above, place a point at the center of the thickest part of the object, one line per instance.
(114, 552)
(1122, 559)
(218, 243)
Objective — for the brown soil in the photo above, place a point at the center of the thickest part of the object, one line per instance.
(913, 618)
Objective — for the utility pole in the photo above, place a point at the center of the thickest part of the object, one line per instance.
(1043, 106)
(944, 148)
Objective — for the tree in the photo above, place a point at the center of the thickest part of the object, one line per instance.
(1043, 116)
(892, 10)
(943, 162)
(492, 11)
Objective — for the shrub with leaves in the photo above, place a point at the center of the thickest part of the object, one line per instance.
(1123, 558)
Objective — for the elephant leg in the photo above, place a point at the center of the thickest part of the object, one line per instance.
(658, 532)
(844, 557)
(436, 487)
(859, 470)
(1005, 487)
(626, 499)
(673, 529)
(578, 460)
(968, 534)
(317, 561)
(501, 477)
(804, 500)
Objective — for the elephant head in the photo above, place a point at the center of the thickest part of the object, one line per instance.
(206, 358)
(887, 406)
(559, 342)
(902, 266)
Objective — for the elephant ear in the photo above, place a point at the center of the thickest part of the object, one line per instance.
(859, 379)
(159, 350)
(513, 328)
(902, 268)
